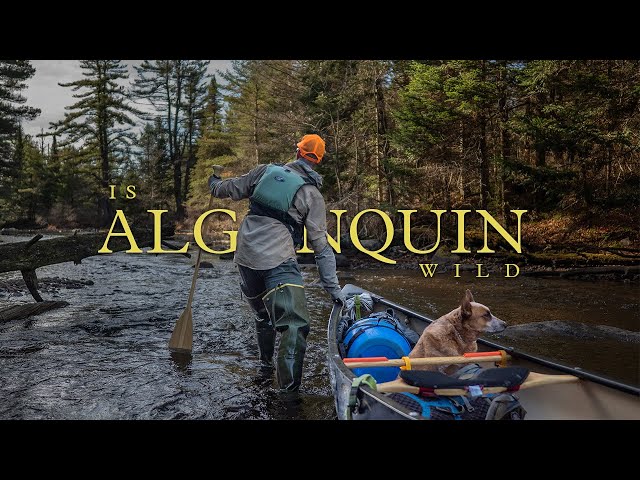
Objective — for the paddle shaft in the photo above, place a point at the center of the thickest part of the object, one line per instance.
(399, 362)
(534, 380)
(197, 265)
(181, 340)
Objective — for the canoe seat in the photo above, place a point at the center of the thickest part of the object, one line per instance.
(508, 377)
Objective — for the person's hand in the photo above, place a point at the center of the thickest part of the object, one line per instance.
(338, 297)
(215, 177)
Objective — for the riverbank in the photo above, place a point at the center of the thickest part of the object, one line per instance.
(605, 246)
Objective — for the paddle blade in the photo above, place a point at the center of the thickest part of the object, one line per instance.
(182, 337)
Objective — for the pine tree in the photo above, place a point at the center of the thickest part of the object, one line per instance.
(213, 147)
(100, 119)
(34, 188)
(212, 115)
(155, 165)
(13, 74)
(194, 104)
(263, 109)
(171, 86)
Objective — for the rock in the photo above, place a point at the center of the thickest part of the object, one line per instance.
(625, 242)
(345, 276)
(345, 242)
(398, 250)
(308, 259)
(305, 258)
(226, 256)
(9, 231)
(206, 265)
(443, 256)
(371, 244)
(342, 261)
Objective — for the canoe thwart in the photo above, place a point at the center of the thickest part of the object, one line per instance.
(533, 380)
(476, 357)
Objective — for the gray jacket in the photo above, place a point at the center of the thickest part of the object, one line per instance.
(265, 243)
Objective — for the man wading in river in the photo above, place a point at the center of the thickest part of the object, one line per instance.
(283, 200)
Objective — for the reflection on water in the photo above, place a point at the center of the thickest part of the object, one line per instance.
(593, 325)
(105, 355)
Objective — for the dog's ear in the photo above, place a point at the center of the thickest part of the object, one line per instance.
(468, 295)
(465, 305)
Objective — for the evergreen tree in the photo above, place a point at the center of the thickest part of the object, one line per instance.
(213, 147)
(155, 165)
(195, 100)
(100, 119)
(174, 90)
(13, 74)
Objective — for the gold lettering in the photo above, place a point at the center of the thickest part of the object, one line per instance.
(305, 248)
(406, 226)
(429, 268)
(517, 246)
(335, 243)
(457, 275)
(157, 234)
(197, 231)
(353, 232)
(460, 226)
(479, 265)
(131, 192)
(509, 270)
(127, 233)
(113, 192)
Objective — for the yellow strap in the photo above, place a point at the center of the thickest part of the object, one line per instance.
(503, 358)
(407, 363)
(279, 287)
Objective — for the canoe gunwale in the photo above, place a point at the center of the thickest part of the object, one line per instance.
(340, 369)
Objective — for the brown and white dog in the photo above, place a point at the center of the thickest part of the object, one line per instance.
(456, 333)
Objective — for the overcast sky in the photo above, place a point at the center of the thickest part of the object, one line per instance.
(45, 93)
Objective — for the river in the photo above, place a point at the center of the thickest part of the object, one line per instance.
(105, 355)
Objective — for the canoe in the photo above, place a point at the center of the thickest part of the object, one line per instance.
(590, 397)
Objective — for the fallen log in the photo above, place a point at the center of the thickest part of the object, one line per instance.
(27, 256)
(20, 312)
(34, 254)
(606, 270)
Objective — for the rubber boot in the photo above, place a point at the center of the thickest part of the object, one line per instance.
(266, 341)
(265, 333)
(287, 307)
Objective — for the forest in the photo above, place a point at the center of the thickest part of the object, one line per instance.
(558, 138)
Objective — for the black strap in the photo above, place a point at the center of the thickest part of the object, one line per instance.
(509, 377)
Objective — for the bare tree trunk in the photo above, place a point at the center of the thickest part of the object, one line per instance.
(177, 158)
(382, 145)
(255, 128)
(190, 155)
(484, 157)
(505, 138)
(105, 208)
(357, 166)
(337, 158)
(484, 163)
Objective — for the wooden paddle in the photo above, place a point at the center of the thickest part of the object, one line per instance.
(533, 380)
(497, 356)
(182, 337)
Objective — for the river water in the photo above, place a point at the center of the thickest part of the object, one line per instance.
(105, 355)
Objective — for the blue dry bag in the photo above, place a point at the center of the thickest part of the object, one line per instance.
(376, 337)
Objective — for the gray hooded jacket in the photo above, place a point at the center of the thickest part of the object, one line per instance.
(265, 243)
